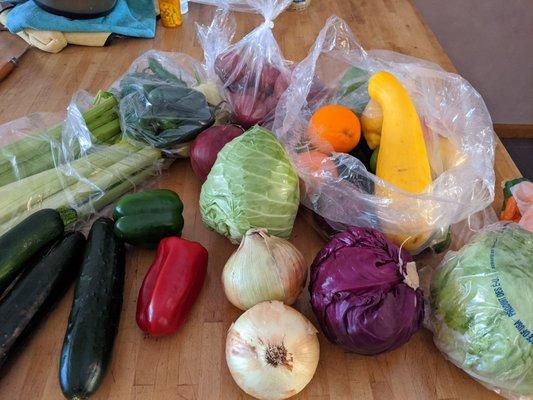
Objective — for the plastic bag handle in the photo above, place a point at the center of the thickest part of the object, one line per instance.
(335, 36)
(216, 37)
(269, 9)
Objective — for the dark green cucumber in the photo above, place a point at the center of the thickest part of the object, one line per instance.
(37, 290)
(374, 160)
(26, 239)
(363, 153)
(95, 313)
(509, 184)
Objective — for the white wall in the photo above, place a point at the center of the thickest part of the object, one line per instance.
(491, 44)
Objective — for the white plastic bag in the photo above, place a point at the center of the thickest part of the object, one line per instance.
(523, 193)
(252, 72)
(339, 187)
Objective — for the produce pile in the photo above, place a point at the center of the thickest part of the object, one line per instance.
(362, 143)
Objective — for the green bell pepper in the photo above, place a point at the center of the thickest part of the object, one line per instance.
(144, 218)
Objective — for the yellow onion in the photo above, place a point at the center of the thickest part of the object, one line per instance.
(272, 351)
(263, 268)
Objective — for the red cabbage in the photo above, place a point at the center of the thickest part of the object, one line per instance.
(358, 293)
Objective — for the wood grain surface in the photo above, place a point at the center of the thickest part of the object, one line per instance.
(191, 364)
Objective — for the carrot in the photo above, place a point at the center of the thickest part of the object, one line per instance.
(510, 212)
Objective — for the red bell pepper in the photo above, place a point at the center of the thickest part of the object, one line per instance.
(171, 286)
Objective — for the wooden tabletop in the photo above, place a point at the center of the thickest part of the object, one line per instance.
(191, 364)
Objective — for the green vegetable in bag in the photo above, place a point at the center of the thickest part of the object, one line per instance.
(251, 185)
(482, 308)
(353, 89)
(164, 115)
(158, 108)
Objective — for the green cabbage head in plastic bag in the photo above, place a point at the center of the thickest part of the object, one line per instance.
(251, 185)
(482, 309)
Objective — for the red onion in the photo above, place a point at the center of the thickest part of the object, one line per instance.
(205, 147)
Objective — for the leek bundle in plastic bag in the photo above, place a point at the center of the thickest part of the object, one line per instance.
(76, 167)
(339, 187)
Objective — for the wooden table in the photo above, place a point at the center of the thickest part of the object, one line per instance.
(191, 364)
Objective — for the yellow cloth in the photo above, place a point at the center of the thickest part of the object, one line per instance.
(54, 41)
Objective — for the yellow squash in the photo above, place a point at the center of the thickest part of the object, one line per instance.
(371, 121)
(403, 159)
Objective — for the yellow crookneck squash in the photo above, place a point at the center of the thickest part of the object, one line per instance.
(403, 159)
(371, 122)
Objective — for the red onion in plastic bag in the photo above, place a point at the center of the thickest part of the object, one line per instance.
(252, 72)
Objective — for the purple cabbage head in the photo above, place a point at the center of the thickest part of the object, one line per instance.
(358, 293)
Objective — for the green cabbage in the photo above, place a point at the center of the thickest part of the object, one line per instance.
(482, 308)
(252, 185)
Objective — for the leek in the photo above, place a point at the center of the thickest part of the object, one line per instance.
(36, 153)
(29, 192)
(110, 196)
(89, 192)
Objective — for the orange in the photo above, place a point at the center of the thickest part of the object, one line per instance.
(334, 127)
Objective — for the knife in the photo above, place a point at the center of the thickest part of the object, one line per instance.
(7, 67)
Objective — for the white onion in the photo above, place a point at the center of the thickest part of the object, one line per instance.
(263, 268)
(272, 351)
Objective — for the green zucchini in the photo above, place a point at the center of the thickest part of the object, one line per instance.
(25, 240)
(95, 313)
(37, 290)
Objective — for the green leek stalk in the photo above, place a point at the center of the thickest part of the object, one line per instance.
(29, 192)
(98, 187)
(36, 153)
(110, 196)
(107, 133)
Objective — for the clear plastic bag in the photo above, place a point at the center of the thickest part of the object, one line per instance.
(481, 302)
(252, 73)
(216, 38)
(107, 146)
(339, 188)
(162, 100)
(76, 167)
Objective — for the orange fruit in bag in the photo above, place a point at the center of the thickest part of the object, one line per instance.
(334, 127)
